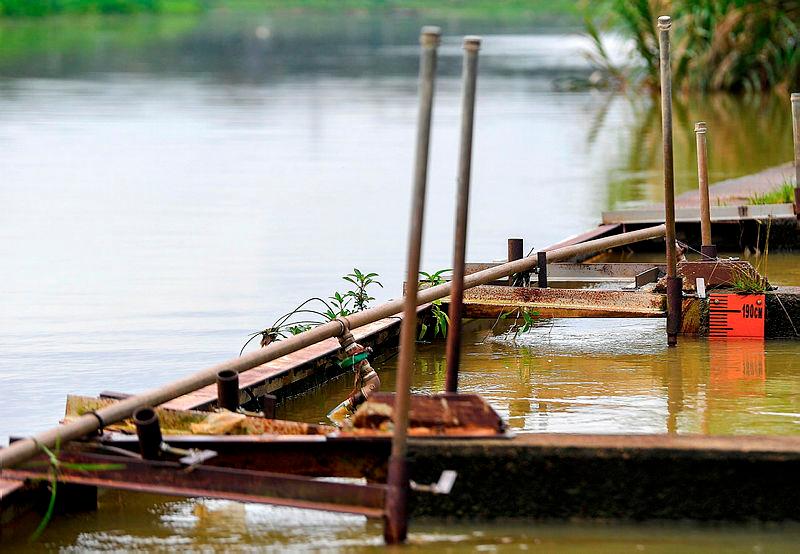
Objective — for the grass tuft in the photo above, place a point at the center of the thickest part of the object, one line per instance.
(781, 195)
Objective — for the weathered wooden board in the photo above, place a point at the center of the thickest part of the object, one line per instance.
(490, 301)
(687, 215)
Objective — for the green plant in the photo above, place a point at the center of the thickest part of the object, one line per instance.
(781, 195)
(362, 281)
(748, 282)
(55, 466)
(717, 45)
(340, 305)
(316, 311)
(433, 279)
(528, 321)
(440, 317)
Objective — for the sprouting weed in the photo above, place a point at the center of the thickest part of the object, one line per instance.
(316, 311)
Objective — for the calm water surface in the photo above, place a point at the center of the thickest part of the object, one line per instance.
(170, 185)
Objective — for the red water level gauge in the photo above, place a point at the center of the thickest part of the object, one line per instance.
(736, 316)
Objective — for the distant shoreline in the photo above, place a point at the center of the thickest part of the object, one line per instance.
(565, 10)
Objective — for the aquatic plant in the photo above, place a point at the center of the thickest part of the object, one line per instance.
(317, 311)
(717, 45)
(361, 281)
(55, 466)
(440, 317)
(781, 195)
(748, 281)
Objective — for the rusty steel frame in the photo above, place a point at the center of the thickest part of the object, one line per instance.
(172, 478)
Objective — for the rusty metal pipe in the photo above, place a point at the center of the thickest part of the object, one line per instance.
(148, 430)
(796, 134)
(22, 450)
(470, 72)
(707, 248)
(664, 24)
(396, 522)
(228, 390)
(673, 306)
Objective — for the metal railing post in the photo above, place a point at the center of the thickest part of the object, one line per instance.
(674, 283)
(796, 135)
(707, 248)
(515, 252)
(470, 75)
(396, 523)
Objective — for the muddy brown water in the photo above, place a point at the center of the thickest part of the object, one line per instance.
(170, 185)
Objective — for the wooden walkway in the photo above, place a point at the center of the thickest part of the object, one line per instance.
(729, 201)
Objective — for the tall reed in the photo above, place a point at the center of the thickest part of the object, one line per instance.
(719, 45)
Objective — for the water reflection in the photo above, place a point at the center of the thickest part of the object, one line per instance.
(611, 376)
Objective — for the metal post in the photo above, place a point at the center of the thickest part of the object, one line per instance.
(228, 390)
(541, 269)
(515, 252)
(707, 248)
(396, 523)
(674, 283)
(796, 134)
(148, 429)
(268, 403)
(470, 74)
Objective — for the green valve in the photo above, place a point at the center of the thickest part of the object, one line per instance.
(353, 360)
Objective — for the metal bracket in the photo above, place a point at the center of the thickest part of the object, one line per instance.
(189, 457)
(443, 486)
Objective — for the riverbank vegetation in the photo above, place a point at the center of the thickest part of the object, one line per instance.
(717, 45)
(491, 9)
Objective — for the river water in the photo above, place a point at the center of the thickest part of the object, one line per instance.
(172, 184)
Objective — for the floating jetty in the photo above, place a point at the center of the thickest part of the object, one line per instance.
(450, 455)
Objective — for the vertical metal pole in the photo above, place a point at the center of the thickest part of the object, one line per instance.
(674, 283)
(541, 269)
(396, 523)
(515, 252)
(707, 248)
(470, 74)
(796, 134)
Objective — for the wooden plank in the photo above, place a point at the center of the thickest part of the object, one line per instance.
(490, 301)
(692, 214)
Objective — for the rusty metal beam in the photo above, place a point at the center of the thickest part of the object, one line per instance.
(490, 301)
(213, 482)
